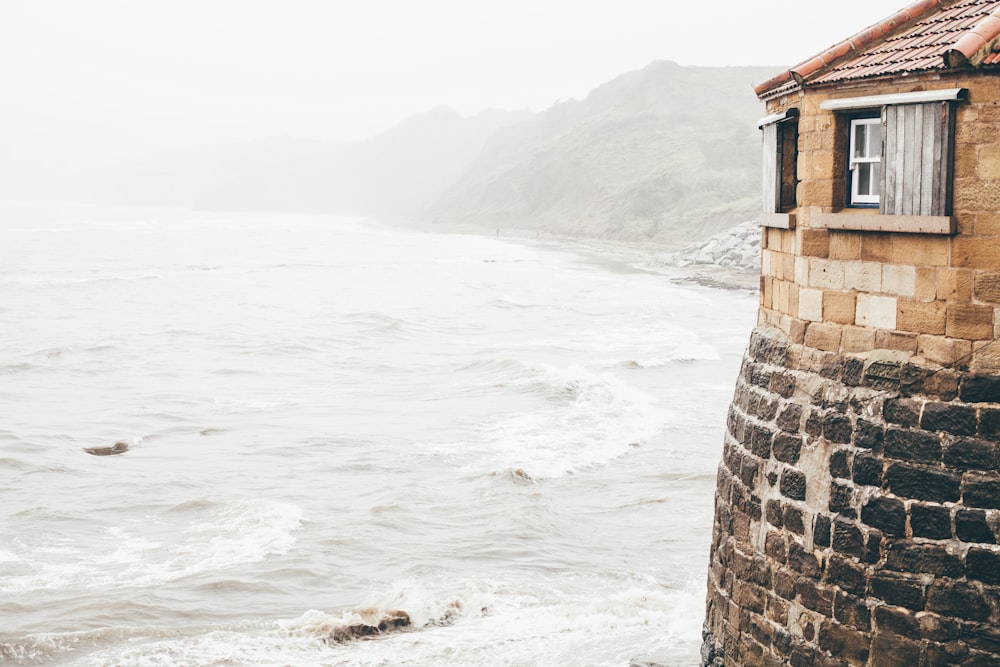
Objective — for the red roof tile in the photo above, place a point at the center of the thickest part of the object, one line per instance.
(925, 36)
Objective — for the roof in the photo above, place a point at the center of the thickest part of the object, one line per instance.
(928, 35)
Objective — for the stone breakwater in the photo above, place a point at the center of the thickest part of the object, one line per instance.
(737, 248)
(857, 513)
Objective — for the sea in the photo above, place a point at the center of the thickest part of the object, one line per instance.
(248, 439)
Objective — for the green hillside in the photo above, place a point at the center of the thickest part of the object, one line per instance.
(667, 153)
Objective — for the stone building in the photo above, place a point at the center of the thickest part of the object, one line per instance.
(858, 499)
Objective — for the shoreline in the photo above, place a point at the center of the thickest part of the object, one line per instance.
(632, 256)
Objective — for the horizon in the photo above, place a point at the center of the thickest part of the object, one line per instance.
(104, 82)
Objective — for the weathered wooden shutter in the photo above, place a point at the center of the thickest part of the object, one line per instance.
(771, 169)
(917, 147)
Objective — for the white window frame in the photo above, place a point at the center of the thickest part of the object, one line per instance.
(871, 157)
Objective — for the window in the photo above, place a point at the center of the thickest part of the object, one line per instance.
(900, 151)
(865, 161)
(780, 142)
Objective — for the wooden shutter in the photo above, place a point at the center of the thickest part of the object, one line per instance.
(771, 169)
(917, 147)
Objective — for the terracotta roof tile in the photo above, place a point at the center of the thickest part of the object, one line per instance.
(925, 36)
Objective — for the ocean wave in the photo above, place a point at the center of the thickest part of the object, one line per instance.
(587, 419)
(570, 621)
(216, 537)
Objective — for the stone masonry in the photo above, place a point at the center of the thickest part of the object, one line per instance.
(857, 512)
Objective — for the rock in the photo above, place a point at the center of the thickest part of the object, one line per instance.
(370, 622)
(117, 448)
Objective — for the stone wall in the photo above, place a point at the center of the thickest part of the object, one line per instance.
(933, 296)
(857, 512)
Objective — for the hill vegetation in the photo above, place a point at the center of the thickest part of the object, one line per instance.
(666, 154)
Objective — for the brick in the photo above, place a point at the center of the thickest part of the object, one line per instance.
(857, 339)
(815, 596)
(844, 245)
(886, 514)
(789, 418)
(969, 321)
(876, 311)
(823, 336)
(897, 620)
(971, 526)
(981, 389)
(987, 287)
(954, 284)
(826, 274)
(840, 464)
(852, 611)
(923, 559)
(984, 565)
(920, 316)
(810, 304)
(803, 560)
(844, 642)
(787, 447)
(783, 384)
(837, 428)
(951, 418)
(989, 423)
(863, 276)
(793, 520)
(846, 574)
(899, 592)
(841, 499)
(927, 285)
(971, 454)
(801, 269)
(975, 253)
(821, 530)
(839, 307)
(813, 242)
(896, 340)
(847, 539)
(773, 513)
(957, 599)
(986, 354)
(793, 484)
(910, 445)
(900, 280)
(867, 469)
(902, 411)
(869, 435)
(981, 492)
(890, 650)
(930, 521)
(943, 351)
(916, 249)
(921, 483)
(883, 375)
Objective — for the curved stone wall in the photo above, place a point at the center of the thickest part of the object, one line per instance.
(857, 513)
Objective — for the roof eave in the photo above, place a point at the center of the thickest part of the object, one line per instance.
(813, 66)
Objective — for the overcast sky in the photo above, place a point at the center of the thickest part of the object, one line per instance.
(133, 75)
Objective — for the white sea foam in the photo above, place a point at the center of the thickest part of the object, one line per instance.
(588, 419)
(238, 532)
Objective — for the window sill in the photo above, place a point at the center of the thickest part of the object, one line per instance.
(778, 220)
(876, 222)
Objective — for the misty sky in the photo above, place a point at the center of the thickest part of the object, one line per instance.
(126, 76)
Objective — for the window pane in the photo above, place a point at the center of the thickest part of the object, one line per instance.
(875, 137)
(859, 140)
(864, 178)
(876, 179)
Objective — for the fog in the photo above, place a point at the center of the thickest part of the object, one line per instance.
(88, 86)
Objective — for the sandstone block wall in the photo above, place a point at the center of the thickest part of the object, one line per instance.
(858, 503)
(936, 297)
